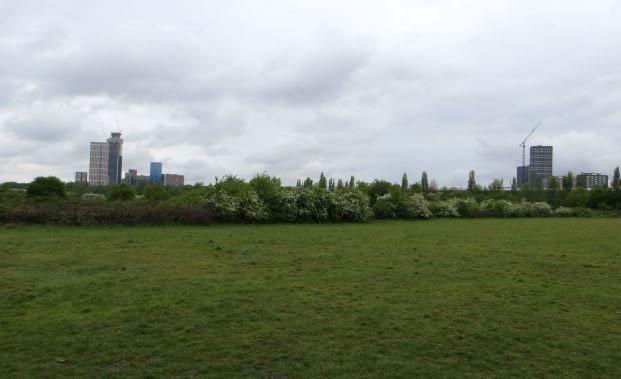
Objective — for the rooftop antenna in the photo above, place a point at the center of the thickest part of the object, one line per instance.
(523, 144)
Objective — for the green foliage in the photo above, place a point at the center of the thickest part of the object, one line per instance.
(155, 194)
(467, 207)
(472, 182)
(616, 179)
(383, 207)
(404, 182)
(121, 192)
(568, 182)
(424, 182)
(581, 181)
(322, 182)
(46, 188)
(416, 206)
(377, 189)
(577, 198)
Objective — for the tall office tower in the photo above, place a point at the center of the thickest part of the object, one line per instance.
(115, 158)
(98, 166)
(540, 163)
(81, 177)
(522, 176)
(156, 173)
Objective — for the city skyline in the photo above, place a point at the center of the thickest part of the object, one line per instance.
(354, 88)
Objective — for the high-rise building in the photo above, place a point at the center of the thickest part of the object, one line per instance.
(98, 165)
(115, 158)
(172, 180)
(592, 180)
(522, 176)
(81, 177)
(156, 173)
(540, 167)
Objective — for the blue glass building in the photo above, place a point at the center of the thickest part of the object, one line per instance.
(156, 173)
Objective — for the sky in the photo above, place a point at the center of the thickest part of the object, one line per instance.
(294, 88)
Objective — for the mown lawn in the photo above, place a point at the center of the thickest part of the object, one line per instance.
(494, 298)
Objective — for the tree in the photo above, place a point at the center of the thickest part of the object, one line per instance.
(496, 185)
(155, 193)
(553, 184)
(352, 182)
(323, 184)
(404, 182)
(340, 185)
(424, 182)
(121, 192)
(472, 182)
(514, 186)
(46, 187)
(433, 186)
(379, 188)
(331, 184)
(298, 183)
(616, 180)
(568, 182)
(581, 181)
(308, 183)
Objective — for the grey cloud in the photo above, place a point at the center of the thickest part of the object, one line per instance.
(352, 88)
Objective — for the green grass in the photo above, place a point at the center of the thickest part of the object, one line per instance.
(493, 298)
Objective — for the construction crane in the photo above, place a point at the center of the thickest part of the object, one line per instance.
(523, 144)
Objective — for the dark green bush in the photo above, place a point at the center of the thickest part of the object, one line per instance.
(121, 192)
(46, 188)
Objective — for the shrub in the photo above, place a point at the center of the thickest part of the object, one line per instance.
(416, 207)
(351, 206)
(46, 187)
(564, 212)
(467, 207)
(222, 206)
(121, 192)
(92, 196)
(444, 208)
(251, 208)
(154, 194)
(384, 207)
(541, 209)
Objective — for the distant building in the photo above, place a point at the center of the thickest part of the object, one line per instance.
(172, 180)
(115, 158)
(81, 177)
(143, 179)
(156, 173)
(130, 176)
(540, 168)
(592, 180)
(522, 176)
(98, 165)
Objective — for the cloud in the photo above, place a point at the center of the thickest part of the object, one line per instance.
(347, 88)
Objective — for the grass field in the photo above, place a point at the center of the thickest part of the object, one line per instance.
(492, 297)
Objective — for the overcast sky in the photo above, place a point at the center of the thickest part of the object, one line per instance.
(372, 89)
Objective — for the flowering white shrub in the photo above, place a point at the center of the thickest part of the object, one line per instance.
(222, 206)
(446, 208)
(564, 212)
(417, 207)
(351, 206)
(251, 208)
(541, 209)
(467, 207)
